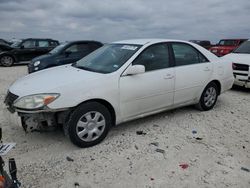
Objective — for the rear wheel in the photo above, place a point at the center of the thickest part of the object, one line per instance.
(7, 60)
(209, 97)
(89, 124)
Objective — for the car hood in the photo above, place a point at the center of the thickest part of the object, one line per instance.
(43, 57)
(53, 80)
(238, 58)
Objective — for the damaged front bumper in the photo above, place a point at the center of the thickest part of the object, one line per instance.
(242, 79)
(38, 121)
(44, 119)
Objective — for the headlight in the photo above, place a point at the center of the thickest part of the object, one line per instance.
(37, 63)
(35, 101)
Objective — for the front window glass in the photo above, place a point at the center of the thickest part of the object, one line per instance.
(58, 48)
(228, 43)
(29, 44)
(154, 57)
(244, 48)
(108, 58)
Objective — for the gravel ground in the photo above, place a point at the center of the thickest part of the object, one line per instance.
(126, 159)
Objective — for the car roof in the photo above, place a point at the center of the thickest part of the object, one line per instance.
(39, 39)
(233, 39)
(146, 41)
(76, 41)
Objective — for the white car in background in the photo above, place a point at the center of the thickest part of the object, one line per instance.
(119, 82)
(241, 63)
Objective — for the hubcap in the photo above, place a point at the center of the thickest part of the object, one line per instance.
(6, 60)
(90, 126)
(210, 96)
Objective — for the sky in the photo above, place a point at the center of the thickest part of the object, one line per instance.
(112, 20)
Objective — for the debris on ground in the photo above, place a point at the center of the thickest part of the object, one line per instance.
(194, 131)
(140, 133)
(136, 147)
(152, 179)
(77, 184)
(160, 150)
(69, 159)
(198, 138)
(245, 169)
(184, 166)
(155, 144)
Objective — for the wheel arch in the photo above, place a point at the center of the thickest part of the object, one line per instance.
(9, 54)
(105, 103)
(218, 84)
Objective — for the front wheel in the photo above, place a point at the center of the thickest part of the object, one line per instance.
(209, 97)
(6, 61)
(89, 124)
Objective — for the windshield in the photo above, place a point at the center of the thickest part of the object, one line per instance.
(108, 58)
(58, 48)
(244, 48)
(16, 44)
(228, 43)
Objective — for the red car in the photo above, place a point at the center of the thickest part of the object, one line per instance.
(225, 46)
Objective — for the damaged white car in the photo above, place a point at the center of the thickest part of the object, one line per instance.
(241, 63)
(119, 82)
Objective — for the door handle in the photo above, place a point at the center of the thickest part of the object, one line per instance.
(169, 76)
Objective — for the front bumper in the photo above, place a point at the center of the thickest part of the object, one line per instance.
(243, 81)
(44, 119)
(9, 101)
(31, 68)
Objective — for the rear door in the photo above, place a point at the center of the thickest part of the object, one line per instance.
(192, 72)
(43, 47)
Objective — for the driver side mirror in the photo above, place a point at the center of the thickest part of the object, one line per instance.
(22, 46)
(134, 69)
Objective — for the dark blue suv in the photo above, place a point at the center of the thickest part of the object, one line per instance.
(65, 53)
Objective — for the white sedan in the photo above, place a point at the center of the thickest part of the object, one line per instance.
(241, 63)
(119, 82)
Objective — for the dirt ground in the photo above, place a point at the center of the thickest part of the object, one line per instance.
(126, 159)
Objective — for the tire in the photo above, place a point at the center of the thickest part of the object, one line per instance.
(6, 61)
(207, 102)
(89, 124)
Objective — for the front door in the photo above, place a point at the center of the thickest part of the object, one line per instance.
(149, 91)
(26, 51)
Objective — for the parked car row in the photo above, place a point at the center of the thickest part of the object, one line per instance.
(25, 50)
(118, 82)
(223, 47)
(65, 53)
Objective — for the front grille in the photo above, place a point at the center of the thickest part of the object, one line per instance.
(9, 100)
(240, 67)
